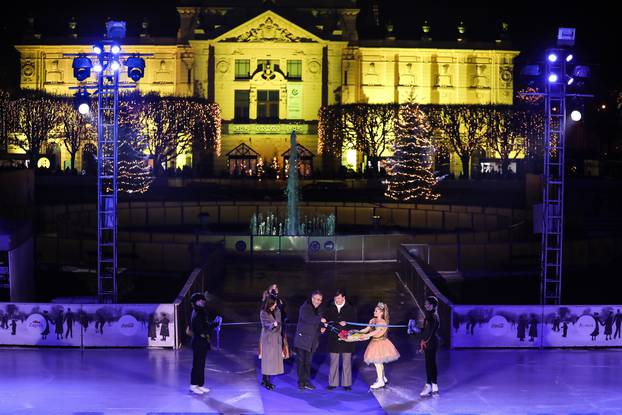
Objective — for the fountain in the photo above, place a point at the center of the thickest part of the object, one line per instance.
(272, 225)
(292, 189)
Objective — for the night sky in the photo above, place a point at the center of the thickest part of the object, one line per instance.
(533, 25)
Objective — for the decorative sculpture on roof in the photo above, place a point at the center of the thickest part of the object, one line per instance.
(269, 30)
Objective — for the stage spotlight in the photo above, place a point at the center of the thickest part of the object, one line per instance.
(531, 70)
(135, 68)
(97, 49)
(115, 65)
(115, 30)
(82, 101)
(552, 57)
(115, 49)
(97, 68)
(575, 115)
(81, 68)
(569, 57)
(581, 71)
(553, 78)
(569, 80)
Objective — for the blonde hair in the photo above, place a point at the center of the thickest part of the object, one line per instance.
(385, 311)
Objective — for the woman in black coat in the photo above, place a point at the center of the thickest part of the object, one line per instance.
(307, 337)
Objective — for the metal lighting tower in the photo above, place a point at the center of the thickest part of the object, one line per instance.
(558, 80)
(107, 55)
(553, 183)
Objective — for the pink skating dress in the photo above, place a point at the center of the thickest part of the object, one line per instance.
(380, 349)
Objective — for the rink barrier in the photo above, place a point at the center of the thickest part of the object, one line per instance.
(507, 326)
(87, 325)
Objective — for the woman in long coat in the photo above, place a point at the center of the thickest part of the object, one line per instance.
(271, 342)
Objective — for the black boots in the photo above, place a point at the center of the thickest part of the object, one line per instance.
(265, 382)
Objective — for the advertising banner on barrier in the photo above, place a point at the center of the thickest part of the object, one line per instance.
(129, 325)
(88, 325)
(536, 326)
(40, 324)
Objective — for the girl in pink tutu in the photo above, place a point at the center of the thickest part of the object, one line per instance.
(380, 349)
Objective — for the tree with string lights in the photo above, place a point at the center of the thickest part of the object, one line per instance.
(7, 118)
(461, 129)
(133, 174)
(76, 130)
(411, 167)
(36, 116)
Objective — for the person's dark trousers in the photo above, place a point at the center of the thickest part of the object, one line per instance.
(199, 354)
(303, 359)
(430, 363)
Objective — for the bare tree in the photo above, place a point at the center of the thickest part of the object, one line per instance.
(166, 123)
(370, 128)
(505, 135)
(462, 129)
(76, 130)
(331, 136)
(37, 115)
(7, 118)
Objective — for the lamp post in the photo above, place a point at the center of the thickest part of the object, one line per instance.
(106, 60)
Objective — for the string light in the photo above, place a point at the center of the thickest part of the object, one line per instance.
(411, 168)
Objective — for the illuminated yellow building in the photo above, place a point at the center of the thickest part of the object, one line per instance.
(271, 68)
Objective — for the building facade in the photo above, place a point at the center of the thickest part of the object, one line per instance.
(271, 66)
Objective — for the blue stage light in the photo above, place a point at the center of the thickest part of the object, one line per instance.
(81, 68)
(97, 68)
(553, 78)
(115, 65)
(135, 68)
(569, 57)
(115, 49)
(97, 49)
(552, 57)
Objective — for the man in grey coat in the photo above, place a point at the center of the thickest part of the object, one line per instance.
(307, 336)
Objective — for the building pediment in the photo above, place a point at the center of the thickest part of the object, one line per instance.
(268, 27)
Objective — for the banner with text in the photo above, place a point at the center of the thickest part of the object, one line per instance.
(536, 326)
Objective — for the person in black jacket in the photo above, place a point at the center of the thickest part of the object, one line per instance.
(337, 314)
(200, 328)
(307, 337)
(429, 345)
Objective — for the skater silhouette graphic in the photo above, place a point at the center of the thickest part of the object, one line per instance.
(151, 327)
(618, 322)
(533, 328)
(164, 331)
(46, 330)
(470, 326)
(608, 326)
(597, 324)
(69, 320)
(58, 325)
(521, 328)
(556, 322)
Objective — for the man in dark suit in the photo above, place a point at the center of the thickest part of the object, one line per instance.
(307, 336)
(337, 314)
